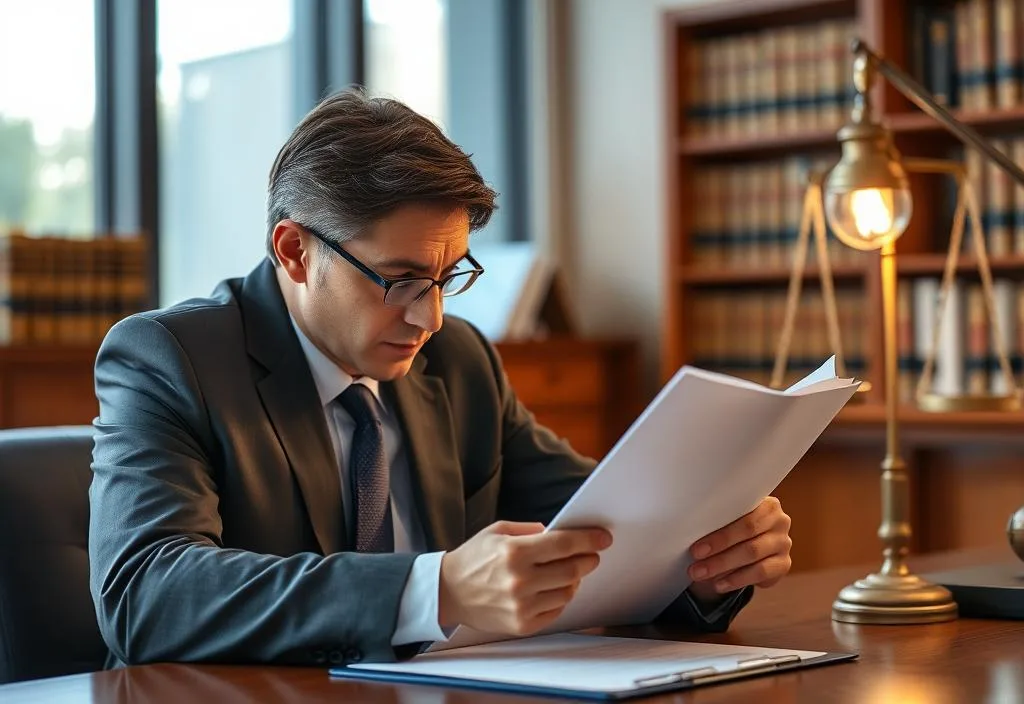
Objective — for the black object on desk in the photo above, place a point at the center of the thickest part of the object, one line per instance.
(986, 591)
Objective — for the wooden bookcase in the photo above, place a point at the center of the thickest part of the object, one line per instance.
(962, 464)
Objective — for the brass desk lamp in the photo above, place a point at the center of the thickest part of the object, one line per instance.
(868, 205)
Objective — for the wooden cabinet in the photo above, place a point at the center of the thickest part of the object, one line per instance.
(44, 385)
(586, 391)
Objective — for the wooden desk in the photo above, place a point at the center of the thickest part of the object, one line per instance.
(962, 661)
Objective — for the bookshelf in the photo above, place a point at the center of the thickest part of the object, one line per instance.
(756, 91)
(736, 69)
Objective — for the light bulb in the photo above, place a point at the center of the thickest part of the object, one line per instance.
(872, 212)
(868, 218)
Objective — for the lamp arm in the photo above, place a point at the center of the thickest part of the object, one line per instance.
(917, 94)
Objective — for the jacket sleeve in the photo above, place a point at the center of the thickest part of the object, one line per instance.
(685, 611)
(164, 586)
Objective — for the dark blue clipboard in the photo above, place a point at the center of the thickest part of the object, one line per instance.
(672, 682)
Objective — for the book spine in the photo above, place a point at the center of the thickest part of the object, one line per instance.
(976, 360)
(1007, 61)
(966, 66)
(999, 200)
(768, 88)
(1002, 332)
(940, 53)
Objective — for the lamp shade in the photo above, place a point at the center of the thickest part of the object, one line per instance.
(867, 195)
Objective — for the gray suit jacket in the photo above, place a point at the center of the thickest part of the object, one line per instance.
(217, 530)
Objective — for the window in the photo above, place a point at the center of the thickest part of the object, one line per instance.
(462, 63)
(47, 106)
(225, 107)
(406, 54)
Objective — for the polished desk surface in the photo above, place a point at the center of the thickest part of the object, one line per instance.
(961, 661)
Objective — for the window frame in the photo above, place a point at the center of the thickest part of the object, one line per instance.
(328, 54)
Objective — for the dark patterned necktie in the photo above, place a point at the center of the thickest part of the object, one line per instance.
(368, 472)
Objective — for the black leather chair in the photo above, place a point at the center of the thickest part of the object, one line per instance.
(47, 621)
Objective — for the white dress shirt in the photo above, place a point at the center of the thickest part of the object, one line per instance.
(417, 615)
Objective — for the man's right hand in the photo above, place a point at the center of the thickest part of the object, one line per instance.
(513, 578)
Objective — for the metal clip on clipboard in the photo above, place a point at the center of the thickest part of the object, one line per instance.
(704, 675)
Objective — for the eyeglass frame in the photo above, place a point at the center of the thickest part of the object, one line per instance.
(387, 283)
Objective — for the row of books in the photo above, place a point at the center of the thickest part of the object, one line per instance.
(738, 332)
(59, 290)
(966, 351)
(970, 54)
(1000, 199)
(772, 81)
(748, 215)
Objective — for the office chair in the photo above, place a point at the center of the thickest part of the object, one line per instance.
(47, 620)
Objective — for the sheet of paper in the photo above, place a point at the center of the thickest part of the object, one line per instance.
(826, 372)
(704, 453)
(585, 662)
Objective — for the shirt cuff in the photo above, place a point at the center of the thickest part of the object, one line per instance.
(417, 612)
(726, 605)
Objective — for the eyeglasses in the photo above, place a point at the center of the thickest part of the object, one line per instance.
(407, 290)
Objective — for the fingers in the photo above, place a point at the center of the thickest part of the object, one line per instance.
(561, 544)
(748, 554)
(514, 528)
(515, 577)
(767, 515)
(762, 574)
(552, 600)
(540, 611)
(563, 573)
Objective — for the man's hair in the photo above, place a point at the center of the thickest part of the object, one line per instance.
(354, 159)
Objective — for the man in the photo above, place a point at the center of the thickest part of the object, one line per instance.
(307, 468)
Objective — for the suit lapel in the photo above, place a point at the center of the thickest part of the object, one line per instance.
(429, 434)
(290, 398)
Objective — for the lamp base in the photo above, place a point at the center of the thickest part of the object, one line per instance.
(893, 600)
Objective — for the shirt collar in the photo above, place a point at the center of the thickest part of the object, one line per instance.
(330, 379)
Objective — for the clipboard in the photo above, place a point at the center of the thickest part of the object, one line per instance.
(663, 677)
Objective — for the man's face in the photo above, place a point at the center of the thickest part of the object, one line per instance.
(344, 312)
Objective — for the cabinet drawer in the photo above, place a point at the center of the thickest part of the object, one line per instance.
(34, 395)
(583, 429)
(574, 380)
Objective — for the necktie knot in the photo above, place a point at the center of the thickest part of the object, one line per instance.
(358, 402)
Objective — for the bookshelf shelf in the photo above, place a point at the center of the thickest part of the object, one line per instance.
(756, 145)
(873, 414)
(741, 14)
(908, 123)
(917, 122)
(696, 275)
(933, 264)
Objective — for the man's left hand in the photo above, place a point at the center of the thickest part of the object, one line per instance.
(751, 550)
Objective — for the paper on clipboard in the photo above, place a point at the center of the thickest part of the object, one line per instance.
(705, 452)
(590, 665)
